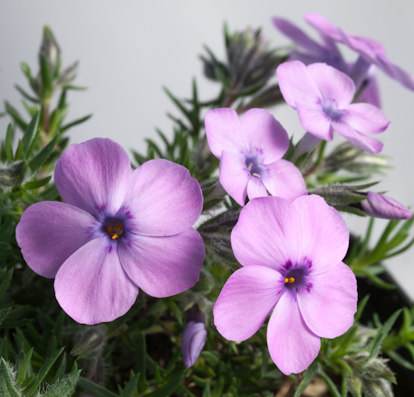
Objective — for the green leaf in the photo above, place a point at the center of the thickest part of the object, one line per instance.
(36, 162)
(131, 387)
(7, 386)
(141, 361)
(376, 280)
(44, 370)
(174, 378)
(6, 282)
(26, 95)
(310, 374)
(374, 346)
(46, 78)
(21, 376)
(9, 143)
(331, 386)
(38, 183)
(30, 134)
(206, 391)
(19, 151)
(64, 387)
(75, 122)
(361, 307)
(399, 360)
(94, 389)
(3, 314)
(15, 115)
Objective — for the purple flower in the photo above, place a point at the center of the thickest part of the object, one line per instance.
(371, 52)
(310, 50)
(115, 232)
(381, 206)
(194, 337)
(291, 255)
(250, 153)
(322, 95)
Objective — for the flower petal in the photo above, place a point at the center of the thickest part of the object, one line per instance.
(256, 188)
(163, 199)
(365, 118)
(371, 94)
(224, 132)
(333, 84)
(283, 179)
(315, 121)
(296, 84)
(370, 145)
(325, 236)
(265, 135)
(328, 307)
(91, 286)
(320, 23)
(94, 176)
(268, 233)
(297, 35)
(246, 300)
(50, 232)
(163, 266)
(234, 176)
(292, 345)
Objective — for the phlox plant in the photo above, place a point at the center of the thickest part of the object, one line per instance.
(218, 263)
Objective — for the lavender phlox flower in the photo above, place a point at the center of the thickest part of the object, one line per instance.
(322, 96)
(116, 232)
(370, 51)
(381, 206)
(310, 51)
(194, 337)
(250, 153)
(291, 255)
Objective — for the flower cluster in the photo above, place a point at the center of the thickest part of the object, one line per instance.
(116, 231)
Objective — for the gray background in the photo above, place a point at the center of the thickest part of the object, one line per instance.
(129, 49)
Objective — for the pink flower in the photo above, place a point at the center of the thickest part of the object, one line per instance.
(370, 50)
(116, 232)
(322, 95)
(250, 153)
(309, 52)
(381, 206)
(291, 255)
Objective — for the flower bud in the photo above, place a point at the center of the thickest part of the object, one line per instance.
(90, 342)
(381, 206)
(13, 176)
(194, 337)
(50, 50)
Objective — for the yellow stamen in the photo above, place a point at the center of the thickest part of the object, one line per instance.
(110, 230)
(118, 226)
(114, 236)
(289, 280)
(257, 175)
(250, 166)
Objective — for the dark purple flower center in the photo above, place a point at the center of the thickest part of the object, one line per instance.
(330, 108)
(296, 279)
(253, 166)
(113, 227)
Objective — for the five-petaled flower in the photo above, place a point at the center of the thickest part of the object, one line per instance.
(291, 255)
(370, 51)
(116, 231)
(250, 153)
(322, 96)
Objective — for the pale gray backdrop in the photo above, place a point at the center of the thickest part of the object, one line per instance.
(129, 49)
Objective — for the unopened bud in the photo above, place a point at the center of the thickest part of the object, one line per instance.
(90, 342)
(194, 336)
(381, 206)
(68, 75)
(50, 50)
(12, 176)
